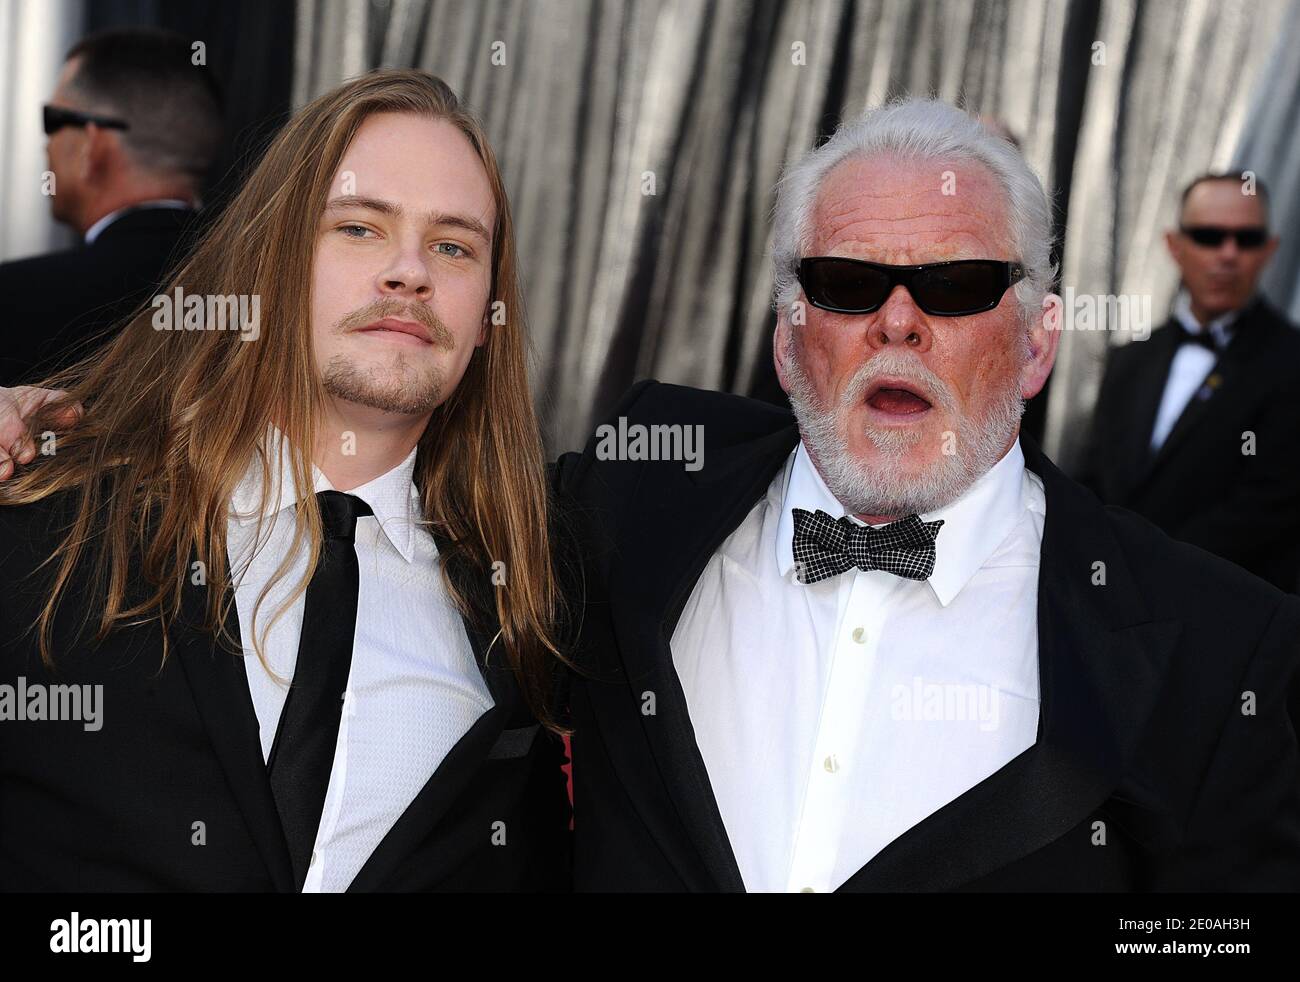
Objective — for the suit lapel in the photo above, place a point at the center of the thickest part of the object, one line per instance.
(1148, 389)
(1229, 377)
(464, 759)
(219, 684)
(697, 515)
(1102, 655)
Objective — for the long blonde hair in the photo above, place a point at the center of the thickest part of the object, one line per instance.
(173, 419)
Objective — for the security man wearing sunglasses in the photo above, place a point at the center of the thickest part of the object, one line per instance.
(132, 127)
(883, 643)
(1198, 427)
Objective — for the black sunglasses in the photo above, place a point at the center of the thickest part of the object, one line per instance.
(56, 117)
(1213, 235)
(949, 289)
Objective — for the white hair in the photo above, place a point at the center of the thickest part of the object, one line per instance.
(917, 129)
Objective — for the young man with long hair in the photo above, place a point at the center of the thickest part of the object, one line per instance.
(217, 682)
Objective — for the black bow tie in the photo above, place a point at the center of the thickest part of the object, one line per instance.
(1206, 339)
(826, 547)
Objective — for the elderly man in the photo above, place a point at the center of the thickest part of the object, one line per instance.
(885, 644)
(1197, 429)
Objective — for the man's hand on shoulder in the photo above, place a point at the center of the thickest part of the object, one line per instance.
(17, 405)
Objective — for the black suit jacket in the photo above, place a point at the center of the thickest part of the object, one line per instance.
(114, 809)
(1141, 680)
(56, 308)
(1200, 487)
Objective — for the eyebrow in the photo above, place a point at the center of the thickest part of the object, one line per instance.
(395, 210)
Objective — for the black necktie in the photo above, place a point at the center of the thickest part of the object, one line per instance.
(825, 547)
(303, 753)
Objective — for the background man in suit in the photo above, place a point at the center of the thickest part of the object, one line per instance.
(133, 125)
(885, 644)
(1197, 428)
(386, 375)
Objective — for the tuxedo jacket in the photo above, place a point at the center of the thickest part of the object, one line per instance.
(58, 307)
(115, 809)
(1200, 487)
(1143, 681)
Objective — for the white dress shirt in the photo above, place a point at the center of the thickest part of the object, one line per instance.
(1190, 366)
(833, 717)
(414, 688)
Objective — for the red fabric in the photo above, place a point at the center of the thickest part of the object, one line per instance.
(568, 770)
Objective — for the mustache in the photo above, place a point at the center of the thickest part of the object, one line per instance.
(392, 307)
(905, 367)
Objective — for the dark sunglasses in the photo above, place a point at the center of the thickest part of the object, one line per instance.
(949, 289)
(56, 117)
(1213, 235)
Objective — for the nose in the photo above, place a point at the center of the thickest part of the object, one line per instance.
(900, 321)
(406, 274)
(1228, 249)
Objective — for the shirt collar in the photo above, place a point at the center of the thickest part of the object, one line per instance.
(1221, 327)
(392, 496)
(92, 233)
(974, 525)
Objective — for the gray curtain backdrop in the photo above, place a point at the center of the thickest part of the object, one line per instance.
(641, 142)
(1270, 143)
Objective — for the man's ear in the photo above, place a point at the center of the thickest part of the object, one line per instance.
(1173, 245)
(781, 338)
(78, 157)
(1044, 336)
(99, 149)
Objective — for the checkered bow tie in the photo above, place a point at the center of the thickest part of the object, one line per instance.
(826, 547)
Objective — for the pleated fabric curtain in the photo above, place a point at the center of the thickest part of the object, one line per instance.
(641, 142)
(1270, 143)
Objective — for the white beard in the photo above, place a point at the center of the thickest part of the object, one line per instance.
(882, 488)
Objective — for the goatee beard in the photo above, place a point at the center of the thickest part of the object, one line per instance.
(400, 393)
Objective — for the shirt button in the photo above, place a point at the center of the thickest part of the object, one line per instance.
(859, 635)
(831, 764)
(807, 890)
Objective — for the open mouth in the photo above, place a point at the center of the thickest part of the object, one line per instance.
(896, 398)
